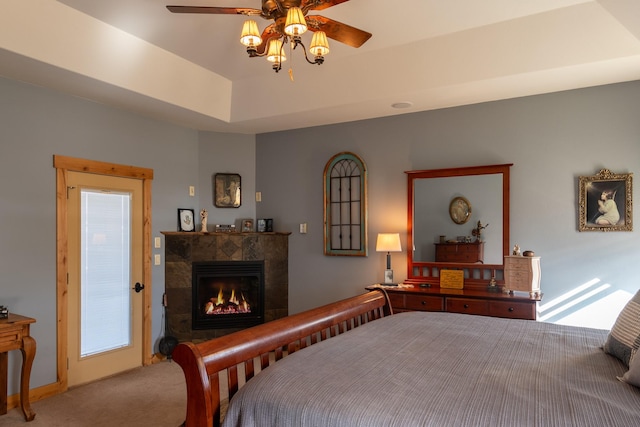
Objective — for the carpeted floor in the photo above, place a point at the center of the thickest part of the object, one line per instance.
(153, 395)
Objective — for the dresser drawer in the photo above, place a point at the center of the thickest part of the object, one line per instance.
(468, 306)
(396, 300)
(512, 310)
(424, 303)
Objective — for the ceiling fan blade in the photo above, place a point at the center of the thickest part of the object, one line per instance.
(215, 10)
(319, 5)
(268, 33)
(338, 31)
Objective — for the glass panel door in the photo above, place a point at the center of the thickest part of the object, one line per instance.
(105, 271)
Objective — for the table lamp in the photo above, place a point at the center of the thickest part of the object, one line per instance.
(388, 242)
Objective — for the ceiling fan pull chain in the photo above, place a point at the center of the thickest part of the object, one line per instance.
(291, 62)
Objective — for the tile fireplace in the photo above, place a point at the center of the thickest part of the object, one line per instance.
(232, 252)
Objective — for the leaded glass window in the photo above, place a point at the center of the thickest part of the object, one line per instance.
(345, 206)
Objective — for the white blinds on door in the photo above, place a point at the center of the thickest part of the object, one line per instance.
(106, 271)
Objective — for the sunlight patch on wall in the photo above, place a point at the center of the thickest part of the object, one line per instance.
(591, 305)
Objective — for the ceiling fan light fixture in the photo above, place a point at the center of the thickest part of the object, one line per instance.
(319, 44)
(295, 24)
(250, 36)
(275, 53)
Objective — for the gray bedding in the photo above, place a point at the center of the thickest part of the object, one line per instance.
(443, 369)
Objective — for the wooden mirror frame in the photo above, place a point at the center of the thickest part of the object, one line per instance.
(475, 275)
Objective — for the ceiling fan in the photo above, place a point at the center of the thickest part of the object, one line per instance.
(290, 21)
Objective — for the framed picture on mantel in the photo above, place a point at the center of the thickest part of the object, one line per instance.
(186, 220)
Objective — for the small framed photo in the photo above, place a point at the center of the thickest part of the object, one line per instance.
(186, 220)
(605, 202)
(247, 225)
(262, 225)
(226, 190)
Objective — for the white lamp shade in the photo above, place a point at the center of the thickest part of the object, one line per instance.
(388, 242)
(250, 35)
(319, 44)
(295, 24)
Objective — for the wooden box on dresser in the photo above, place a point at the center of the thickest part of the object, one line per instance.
(468, 301)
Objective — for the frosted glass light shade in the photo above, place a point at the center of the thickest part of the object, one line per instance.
(295, 24)
(319, 44)
(250, 35)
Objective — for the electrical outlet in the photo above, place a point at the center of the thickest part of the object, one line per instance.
(156, 259)
(303, 228)
(157, 243)
(258, 196)
(192, 190)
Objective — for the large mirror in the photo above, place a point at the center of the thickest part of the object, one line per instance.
(435, 200)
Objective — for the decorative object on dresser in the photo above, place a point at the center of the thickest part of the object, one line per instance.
(388, 242)
(186, 221)
(605, 202)
(477, 232)
(452, 279)
(226, 190)
(522, 273)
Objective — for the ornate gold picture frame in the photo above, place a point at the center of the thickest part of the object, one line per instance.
(605, 202)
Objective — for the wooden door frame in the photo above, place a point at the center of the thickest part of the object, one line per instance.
(63, 165)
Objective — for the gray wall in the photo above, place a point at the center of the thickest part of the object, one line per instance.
(551, 140)
(35, 124)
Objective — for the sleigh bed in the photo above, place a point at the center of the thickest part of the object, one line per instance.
(369, 368)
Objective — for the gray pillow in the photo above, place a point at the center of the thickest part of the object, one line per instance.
(633, 374)
(624, 339)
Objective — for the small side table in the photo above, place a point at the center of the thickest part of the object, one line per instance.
(14, 335)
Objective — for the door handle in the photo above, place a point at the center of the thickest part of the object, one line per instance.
(138, 287)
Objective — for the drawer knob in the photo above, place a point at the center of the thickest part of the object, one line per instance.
(510, 309)
(423, 302)
(466, 306)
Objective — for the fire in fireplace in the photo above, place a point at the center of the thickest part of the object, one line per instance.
(227, 294)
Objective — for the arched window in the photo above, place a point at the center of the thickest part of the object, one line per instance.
(345, 206)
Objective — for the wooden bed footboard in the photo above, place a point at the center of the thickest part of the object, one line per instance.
(253, 349)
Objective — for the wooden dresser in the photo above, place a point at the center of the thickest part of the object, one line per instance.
(460, 252)
(480, 302)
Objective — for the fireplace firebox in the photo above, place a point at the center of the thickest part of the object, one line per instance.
(227, 294)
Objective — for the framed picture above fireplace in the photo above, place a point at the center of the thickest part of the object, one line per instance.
(186, 221)
(226, 190)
